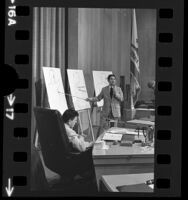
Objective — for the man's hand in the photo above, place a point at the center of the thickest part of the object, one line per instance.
(89, 99)
(117, 95)
(91, 144)
(114, 92)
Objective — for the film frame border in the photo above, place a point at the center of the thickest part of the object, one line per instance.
(169, 57)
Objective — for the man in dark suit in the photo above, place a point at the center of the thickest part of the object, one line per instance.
(112, 96)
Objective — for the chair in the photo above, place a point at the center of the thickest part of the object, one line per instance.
(38, 179)
(56, 149)
(40, 90)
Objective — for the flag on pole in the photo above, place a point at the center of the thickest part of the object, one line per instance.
(135, 69)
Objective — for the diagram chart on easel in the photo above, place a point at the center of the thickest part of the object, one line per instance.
(78, 89)
(100, 81)
(55, 89)
(79, 94)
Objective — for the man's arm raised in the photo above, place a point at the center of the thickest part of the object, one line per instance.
(94, 99)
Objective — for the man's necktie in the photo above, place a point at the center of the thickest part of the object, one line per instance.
(111, 92)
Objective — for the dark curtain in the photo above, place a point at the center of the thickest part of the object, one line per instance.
(48, 50)
(48, 47)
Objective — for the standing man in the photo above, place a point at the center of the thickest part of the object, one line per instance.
(151, 85)
(113, 96)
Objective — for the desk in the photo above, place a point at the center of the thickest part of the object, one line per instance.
(122, 160)
(151, 118)
(138, 113)
(144, 112)
(141, 123)
(110, 182)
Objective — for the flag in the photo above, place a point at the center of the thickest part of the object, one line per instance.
(134, 67)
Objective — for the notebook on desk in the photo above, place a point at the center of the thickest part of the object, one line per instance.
(112, 137)
(141, 187)
(127, 137)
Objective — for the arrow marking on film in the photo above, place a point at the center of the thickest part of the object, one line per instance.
(11, 99)
(9, 189)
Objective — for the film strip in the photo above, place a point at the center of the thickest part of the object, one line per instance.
(18, 97)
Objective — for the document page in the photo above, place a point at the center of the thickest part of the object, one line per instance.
(116, 130)
(111, 136)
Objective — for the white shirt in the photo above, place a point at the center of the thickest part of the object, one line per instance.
(77, 141)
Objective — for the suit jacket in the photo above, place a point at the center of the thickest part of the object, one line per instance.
(111, 103)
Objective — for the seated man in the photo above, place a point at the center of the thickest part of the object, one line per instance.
(151, 85)
(70, 118)
(84, 161)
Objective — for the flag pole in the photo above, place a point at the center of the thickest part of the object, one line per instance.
(131, 95)
(134, 65)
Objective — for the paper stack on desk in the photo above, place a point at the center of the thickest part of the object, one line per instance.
(141, 122)
(117, 130)
(151, 186)
(111, 136)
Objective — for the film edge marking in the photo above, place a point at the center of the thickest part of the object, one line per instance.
(9, 189)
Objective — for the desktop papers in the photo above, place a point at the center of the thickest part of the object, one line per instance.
(141, 122)
(111, 136)
(147, 149)
(151, 186)
(116, 130)
(101, 145)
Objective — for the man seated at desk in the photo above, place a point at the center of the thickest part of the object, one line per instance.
(70, 118)
(85, 161)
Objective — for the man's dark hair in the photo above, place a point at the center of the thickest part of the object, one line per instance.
(69, 114)
(111, 75)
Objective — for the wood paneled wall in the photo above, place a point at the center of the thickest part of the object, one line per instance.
(104, 42)
(104, 37)
(99, 39)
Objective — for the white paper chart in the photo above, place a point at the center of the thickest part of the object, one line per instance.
(55, 89)
(100, 81)
(78, 89)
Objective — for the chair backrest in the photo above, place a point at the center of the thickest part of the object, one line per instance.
(53, 139)
(41, 93)
(38, 89)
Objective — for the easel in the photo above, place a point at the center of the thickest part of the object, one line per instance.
(90, 123)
